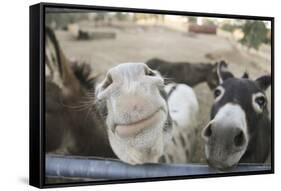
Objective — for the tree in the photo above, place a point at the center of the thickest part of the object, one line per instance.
(255, 33)
(229, 27)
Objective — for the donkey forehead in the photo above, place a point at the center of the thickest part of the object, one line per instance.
(235, 87)
(237, 91)
(128, 70)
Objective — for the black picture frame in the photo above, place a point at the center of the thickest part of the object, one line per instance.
(37, 92)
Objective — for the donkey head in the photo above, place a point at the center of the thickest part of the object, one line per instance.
(133, 100)
(67, 123)
(61, 87)
(239, 127)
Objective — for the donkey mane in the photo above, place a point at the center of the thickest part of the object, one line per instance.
(83, 74)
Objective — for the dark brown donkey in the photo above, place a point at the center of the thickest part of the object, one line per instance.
(187, 73)
(72, 125)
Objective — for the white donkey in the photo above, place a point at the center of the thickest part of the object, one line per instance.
(146, 120)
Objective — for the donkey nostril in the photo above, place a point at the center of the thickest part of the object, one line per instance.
(208, 131)
(239, 139)
(108, 81)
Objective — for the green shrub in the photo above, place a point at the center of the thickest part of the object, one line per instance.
(255, 33)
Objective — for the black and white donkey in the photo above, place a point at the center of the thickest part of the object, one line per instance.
(240, 128)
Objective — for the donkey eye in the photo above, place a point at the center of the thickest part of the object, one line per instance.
(261, 101)
(107, 82)
(217, 93)
(149, 72)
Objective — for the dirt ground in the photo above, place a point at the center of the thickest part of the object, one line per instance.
(138, 44)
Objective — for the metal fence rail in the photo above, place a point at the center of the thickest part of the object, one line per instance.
(97, 168)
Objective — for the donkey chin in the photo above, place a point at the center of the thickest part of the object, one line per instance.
(225, 164)
(140, 139)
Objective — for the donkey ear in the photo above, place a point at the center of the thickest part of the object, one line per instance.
(58, 67)
(245, 75)
(223, 72)
(264, 82)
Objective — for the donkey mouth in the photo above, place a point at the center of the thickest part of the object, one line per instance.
(132, 129)
(220, 165)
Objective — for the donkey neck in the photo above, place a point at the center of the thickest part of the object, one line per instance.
(182, 72)
(260, 143)
(193, 74)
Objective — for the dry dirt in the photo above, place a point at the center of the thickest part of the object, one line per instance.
(138, 44)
